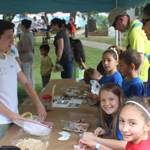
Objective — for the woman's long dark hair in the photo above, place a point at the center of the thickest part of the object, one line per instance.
(78, 51)
(147, 10)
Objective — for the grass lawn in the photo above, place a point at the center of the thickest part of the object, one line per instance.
(93, 56)
(104, 40)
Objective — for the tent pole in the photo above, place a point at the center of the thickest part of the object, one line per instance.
(116, 30)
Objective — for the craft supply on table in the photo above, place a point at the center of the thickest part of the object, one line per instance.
(26, 141)
(71, 90)
(69, 102)
(95, 87)
(65, 136)
(76, 122)
(31, 144)
(28, 115)
(89, 102)
(33, 127)
(56, 98)
(81, 134)
(47, 102)
(76, 126)
(85, 92)
(78, 147)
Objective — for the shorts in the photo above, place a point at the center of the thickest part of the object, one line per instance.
(3, 129)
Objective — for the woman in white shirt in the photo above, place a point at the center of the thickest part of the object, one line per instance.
(44, 27)
(34, 25)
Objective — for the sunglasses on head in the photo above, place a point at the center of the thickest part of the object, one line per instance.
(145, 20)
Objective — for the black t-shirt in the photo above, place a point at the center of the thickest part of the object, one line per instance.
(67, 54)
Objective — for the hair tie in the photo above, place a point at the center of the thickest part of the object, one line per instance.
(114, 49)
(139, 106)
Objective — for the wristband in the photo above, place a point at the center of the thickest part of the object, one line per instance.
(97, 146)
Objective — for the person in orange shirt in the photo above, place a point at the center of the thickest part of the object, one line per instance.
(73, 27)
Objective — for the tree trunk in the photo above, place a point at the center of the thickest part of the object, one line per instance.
(91, 25)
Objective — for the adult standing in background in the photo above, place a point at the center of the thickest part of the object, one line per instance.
(136, 38)
(146, 28)
(62, 48)
(34, 25)
(19, 31)
(44, 24)
(26, 50)
(73, 27)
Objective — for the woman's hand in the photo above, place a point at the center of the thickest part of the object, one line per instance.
(100, 131)
(56, 66)
(41, 112)
(88, 143)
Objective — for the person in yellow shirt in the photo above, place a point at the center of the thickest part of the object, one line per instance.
(136, 38)
(46, 64)
(146, 28)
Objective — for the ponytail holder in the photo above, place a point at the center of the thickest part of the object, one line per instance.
(114, 49)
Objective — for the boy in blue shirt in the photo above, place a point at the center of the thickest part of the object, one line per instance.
(129, 63)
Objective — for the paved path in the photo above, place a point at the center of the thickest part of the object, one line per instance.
(92, 44)
(97, 45)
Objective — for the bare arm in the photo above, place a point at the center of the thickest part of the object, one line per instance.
(140, 68)
(92, 144)
(60, 43)
(83, 65)
(32, 93)
(18, 60)
(111, 143)
(24, 49)
(4, 110)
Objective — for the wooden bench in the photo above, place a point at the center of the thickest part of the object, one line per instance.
(38, 35)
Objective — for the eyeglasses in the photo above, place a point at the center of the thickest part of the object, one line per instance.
(145, 20)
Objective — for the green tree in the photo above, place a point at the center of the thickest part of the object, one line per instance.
(10, 16)
(102, 21)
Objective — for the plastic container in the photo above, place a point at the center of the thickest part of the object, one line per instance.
(56, 98)
(70, 117)
(47, 102)
(21, 135)
(71, 90)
